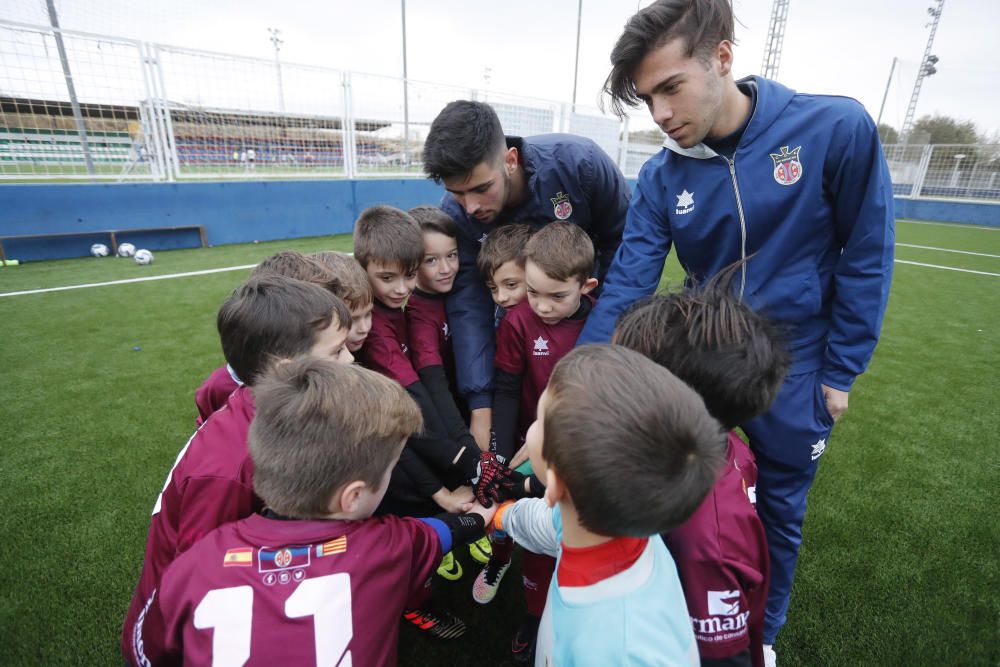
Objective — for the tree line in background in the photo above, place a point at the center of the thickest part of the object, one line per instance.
(938, 129)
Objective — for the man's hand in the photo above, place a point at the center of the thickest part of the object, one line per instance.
(458, 501)
(480, 425)
(485, 512)
(836, 401)
(520, 457)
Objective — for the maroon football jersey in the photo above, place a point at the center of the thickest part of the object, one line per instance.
(386, 349)
(272, 592)
(211, 484)
(529, 347)
(214, 391)
(721, 556)
(429, 335)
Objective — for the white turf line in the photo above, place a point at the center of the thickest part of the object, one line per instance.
(250, 266)
(961, 252)
(933, 266)
(949, 224)
(130, 280)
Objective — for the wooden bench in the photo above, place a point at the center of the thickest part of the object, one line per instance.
(112, 234)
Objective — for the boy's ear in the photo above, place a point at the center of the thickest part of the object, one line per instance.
(348, 499)
(588, 285)
(554, 488)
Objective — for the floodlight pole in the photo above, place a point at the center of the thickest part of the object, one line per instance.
(576, 63)
(81, 129)
(886, 94)
(277, 41)
(406, 97)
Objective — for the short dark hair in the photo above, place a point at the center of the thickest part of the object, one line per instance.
(352, 281)
(702, 24)
(433, 219)
(390, 236)
(462, 136)
(320, 425)
(503, 244)
(731, 355)
(635, 446)
(562, 250)
(272, 316)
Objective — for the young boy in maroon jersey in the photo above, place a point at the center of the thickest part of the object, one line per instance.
(353, 288)
(531, 339)
(223, 381)
(211, 482)
(435, 468)
(314, 579)
(428, 331)
(734, 358)
(501, 264)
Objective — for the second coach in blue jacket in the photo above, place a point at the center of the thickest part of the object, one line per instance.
(796, 183)
(490, 180)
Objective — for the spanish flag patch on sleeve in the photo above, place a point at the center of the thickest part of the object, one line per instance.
(241, 557)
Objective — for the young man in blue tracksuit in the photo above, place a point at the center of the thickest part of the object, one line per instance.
(795, 182)
(492, 180)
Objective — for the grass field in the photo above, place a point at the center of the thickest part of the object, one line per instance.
(900, 562)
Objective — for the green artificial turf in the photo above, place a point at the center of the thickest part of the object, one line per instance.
(899, 564)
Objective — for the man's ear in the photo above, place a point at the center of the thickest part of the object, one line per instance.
(510, 161)
(349, 498)
(554, 488)
(724, 55)
(588, 285)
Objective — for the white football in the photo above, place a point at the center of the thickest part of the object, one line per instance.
(99, 250)
(143, 257)
(126, 249)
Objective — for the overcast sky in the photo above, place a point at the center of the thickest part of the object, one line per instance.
(843, 47)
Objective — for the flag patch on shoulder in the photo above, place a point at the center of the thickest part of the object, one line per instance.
(241, 557)
(337, 546)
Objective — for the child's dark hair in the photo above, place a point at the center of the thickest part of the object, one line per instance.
(272, 316)
(504, 244)
(352, 281)
(562, 250)
(731, 355)
(433, 219)
(320, 425)
(634, 446)
(387, 235)
(462, 136)
(294, 264)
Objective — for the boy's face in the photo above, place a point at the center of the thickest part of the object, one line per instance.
(553, 300)
(536, 436)
(390, 285)
(507, 286)
(440, 263)
(331, 343)
(361, 324)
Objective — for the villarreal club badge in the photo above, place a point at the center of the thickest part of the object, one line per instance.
(787, 167)
(561, 207)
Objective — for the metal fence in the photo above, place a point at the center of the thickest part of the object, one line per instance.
(82, 106)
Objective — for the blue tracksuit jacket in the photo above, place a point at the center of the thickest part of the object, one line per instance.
(569, 178)
(807, 194)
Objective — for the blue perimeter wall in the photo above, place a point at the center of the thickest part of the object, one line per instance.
(241, 212)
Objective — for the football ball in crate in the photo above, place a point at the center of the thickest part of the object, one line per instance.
(143, 257)
(126, 250)
(99, 250)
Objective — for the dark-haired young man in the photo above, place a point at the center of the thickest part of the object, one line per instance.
(492, 179)
(753, 168)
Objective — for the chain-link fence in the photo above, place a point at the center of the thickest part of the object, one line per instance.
(81, 106)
